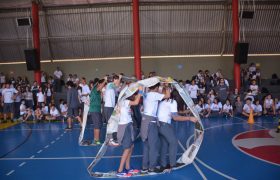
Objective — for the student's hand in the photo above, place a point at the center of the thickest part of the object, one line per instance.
(106, 78)
(140, 88)
(193, 119)
(120, 76)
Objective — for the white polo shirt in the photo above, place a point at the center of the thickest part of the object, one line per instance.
(258, 108)
(85, 90)
(150, 102)
(165, 110)
(247, 108)
(41, 97)
(227, 108)
(193, 91)
(268, 103)
(125, 115)
(54, 112)
(216, 107)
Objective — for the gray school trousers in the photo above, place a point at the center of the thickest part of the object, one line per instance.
(151, 147)
(169, 143)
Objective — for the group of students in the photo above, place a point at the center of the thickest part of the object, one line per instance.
(157, 133)
(215, 108)
(21, 99)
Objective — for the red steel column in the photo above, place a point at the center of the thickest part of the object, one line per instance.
(36, 37)
(136, 37)
(235, 33)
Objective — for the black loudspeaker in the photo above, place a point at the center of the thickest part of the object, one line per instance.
(31, 60)
(248, 14)
(27, 21)
(241, 53)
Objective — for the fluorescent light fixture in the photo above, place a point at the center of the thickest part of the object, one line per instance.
(143, 57)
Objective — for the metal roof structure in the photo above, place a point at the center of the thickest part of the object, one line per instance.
(80, 29)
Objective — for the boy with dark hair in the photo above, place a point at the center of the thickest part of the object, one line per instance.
(73, 105)
(95, 109)
(248, 107)
(149, 128)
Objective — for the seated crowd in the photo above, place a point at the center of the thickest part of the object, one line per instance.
(210, 92)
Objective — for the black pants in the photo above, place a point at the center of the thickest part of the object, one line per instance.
(17, 110)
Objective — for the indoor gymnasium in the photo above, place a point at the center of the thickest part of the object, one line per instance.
(139, 89)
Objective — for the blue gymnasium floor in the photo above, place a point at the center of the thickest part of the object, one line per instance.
(46, 151)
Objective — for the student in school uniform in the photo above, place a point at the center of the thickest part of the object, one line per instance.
(54, 113)
(40, 97)
(216, 108)
(248, 107)
(207, 108)
(22, 109)
(149, 128)
(227, 109)
(193, 90)
(110, 102)
(268, 106)
(258, 108)
(125, 133)
(201, 108)
(167, 111)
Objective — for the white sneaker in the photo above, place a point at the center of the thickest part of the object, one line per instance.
(113, 143)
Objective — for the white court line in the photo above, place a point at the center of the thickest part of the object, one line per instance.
(206, 165)
(58, 138)
(52, 142)
(201, 162)
(31, 157)
(22, 164)
(46, 146)
(199, 171)
(11, 172)
(214, 170)
(196, 167)
(39, 151)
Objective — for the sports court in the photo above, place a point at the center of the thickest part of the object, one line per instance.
(95, 89)
(46, 151)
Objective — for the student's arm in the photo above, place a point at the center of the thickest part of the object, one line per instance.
(137, 98)
(183, 118)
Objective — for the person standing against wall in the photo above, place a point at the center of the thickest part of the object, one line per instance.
(8, 94)
(57, 79)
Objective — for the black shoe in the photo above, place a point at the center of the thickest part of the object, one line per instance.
(178, 165)
(155, 170)
(167, 166)
(166, 169)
